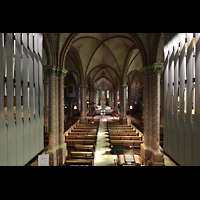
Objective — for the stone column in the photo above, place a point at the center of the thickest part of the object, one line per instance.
(129, 99)
(100, 94)
(151, 114)
(46, 106)
(52, 150)
(57, 146)
(123, 104)
(62, 145)
(57, 114)
(77, 97)
(162, 101)
(83, 119)
(115, 100)
(91, 99)
(95, 97)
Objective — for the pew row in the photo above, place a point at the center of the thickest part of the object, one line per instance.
(80, 147)
(86, 137)
(84, 130)
(82, 154)
(79, 162)
(83, 133)
(130, 143)
(123, 134)
(125, 138)
(72, 142)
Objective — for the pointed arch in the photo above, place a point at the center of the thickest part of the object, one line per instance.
(157, 49)
(49, 48)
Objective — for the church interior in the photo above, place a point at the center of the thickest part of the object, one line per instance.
(99, 99)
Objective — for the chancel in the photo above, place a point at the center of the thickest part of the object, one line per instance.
(100, 99)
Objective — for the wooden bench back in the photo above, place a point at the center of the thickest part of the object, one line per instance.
(72, 142)
(126, 142)
(121, 130)
(125, 137)
(84, 130)
(87, 162)
(86, 137)
(129, 128)
(123, 134)
(83, 133)
(84, 147)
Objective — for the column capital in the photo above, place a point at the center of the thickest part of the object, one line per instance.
(156, 68)
(82, 86)
(54, 71)
(61, 72)
(124, 86)
(50, 69)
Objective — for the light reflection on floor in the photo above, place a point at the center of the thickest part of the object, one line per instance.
(103, 156)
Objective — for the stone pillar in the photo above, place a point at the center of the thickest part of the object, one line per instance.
(111, 98)
(62, 145)
(57, 146)
(77, 97)
(161, 101)
(46, 106)
(115, 100)
(129, 99)
(83, 119)
(123, 104)
(52, 150)
(95, 97)
(57, 114)
(100, 94)
(151, 115)
(91, 99)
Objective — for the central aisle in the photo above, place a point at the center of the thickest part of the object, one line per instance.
(103, 156)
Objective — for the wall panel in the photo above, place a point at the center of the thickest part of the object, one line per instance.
(181, 130)
(31, 85)
(166, 110)
(19, 122)
(25, 99)
(36, 97)
(196, 124)
(21, 133)
(41, 96)
(3, 127)
(12, 153)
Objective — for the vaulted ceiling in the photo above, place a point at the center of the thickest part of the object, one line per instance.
(98, 59)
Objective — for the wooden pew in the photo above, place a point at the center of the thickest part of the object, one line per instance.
(85, 147)
(85, 126)
(121, 130)
(119, 126)
(81, 141)
(125, 138)
(84, 130)
(123, 134)
(133, 143)
(83, 133)
(82, 154)
(79, 162)
(72, 142)
(86, 137)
